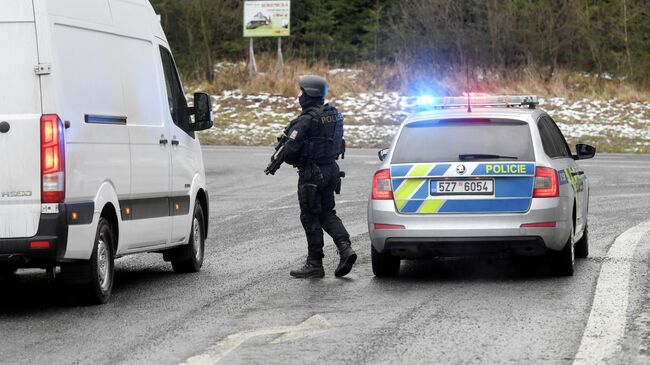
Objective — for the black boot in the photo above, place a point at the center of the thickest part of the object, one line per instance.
(348, 258)
(313, 268)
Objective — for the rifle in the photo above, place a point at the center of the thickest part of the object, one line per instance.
(278, 157)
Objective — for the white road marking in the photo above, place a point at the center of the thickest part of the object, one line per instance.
(222, 348)
(605, 329)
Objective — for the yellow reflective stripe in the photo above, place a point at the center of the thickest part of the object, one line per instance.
(407, 189)
(569, 178)
(400, 204)
(420, 169)
(431, 206)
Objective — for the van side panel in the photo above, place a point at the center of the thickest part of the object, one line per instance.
(150, 163)
(77, 39)
(20, 109)
(97, 150)
(106, 82)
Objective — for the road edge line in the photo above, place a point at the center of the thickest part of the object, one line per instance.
(605, 329)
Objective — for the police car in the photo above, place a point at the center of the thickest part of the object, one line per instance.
(479, 174)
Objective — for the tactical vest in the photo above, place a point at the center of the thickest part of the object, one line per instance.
(325, 141)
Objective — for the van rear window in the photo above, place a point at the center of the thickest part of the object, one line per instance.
(456, 140)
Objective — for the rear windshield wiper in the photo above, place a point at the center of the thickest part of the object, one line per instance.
(480, 156)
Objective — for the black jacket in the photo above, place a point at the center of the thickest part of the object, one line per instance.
(320, 131)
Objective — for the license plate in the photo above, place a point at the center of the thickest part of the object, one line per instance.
(450, 187)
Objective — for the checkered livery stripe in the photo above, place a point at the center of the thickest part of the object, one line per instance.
(513, 187)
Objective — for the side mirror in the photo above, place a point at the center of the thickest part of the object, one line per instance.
(382, 154)
(584, 151)
(202, 111)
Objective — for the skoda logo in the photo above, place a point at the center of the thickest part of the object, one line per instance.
(460, 169)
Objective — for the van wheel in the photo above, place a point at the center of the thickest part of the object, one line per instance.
(562, 262)
(101, 265)
(384, 265)
(189, 258)
(582, 246)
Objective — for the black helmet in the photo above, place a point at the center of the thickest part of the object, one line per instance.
(314, 86)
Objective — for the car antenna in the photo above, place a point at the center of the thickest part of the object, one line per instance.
(469, 103)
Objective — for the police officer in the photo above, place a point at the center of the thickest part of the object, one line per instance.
(315, 143)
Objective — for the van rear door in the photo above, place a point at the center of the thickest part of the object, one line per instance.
(20, 112)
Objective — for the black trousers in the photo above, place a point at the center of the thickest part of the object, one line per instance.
(316, 198)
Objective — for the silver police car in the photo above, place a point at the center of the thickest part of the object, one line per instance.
(485, 174)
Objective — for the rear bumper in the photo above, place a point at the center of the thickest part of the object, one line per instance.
(464, 246)
(52, 228)
(472, 232)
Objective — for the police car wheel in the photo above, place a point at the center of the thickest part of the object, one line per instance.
(189, 258)
(562, 262)
(582, 246)
(384, 265)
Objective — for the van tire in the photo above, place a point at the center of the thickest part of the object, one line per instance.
(100, 268)
(582, 246)
(562, 262)
(189, 258)
(383, 264)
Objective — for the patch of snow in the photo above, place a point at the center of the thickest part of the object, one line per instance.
(372, 119)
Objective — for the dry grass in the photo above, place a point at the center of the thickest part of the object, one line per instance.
(563, 83)
(231, 76)
(611, 113)
(413, 80)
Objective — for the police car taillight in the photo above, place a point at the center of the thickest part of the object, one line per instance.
(52, 160)
(381, 188)
(546, 183)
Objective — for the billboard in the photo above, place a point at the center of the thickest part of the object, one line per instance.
(267, 18)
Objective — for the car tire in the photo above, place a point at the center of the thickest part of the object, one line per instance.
(189, 258)
(562, 262)
(383, 264)
(582, 246)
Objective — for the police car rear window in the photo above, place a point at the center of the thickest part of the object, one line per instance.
(456, 140)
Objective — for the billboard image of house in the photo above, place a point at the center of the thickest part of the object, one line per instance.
(267, 18)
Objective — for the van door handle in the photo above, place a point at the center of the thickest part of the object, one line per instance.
(163, 141)
(175, 142)
(577, 173)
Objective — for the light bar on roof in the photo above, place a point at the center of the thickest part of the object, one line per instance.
(478, 100)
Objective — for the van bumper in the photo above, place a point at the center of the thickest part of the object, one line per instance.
(53, 228)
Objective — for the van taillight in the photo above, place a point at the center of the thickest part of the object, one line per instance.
(52, 160)
(381, 188)
(546, 183)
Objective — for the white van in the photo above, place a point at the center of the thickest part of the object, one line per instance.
(99, 157)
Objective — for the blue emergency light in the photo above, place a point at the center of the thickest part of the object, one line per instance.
(439, 102)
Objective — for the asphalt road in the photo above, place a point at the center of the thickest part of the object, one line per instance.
(454, 311)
